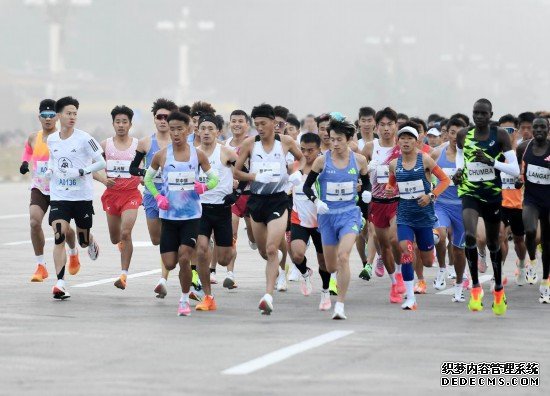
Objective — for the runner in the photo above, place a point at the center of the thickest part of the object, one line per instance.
(74, 155)
(338, 216)
(268, 203)
(147, 148)
(179, 202)
(535, 158)
(411, 173)
(122, 198)
(36, 153)
(479, 186)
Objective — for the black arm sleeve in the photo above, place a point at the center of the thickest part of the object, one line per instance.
(311, 178)
(135, 170)
(365, 183)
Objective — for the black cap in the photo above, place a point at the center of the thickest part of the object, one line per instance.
(47, 105)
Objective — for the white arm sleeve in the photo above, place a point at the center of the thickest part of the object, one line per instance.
(98, 164)
(459, 158)
(511, 166)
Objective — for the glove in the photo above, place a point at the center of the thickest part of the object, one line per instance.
(322, 208)
(200, 188)
(295, 179)
(366, 196)
(230, 199)
(162, 202)
(24, 168)
(264, 177)
(71, 173)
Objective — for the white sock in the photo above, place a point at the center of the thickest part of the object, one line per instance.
(162, 280)
(61, 282)
(410, 290)
(184, 297)
(339, 306)
(230, 274)
(333, 275)
(441, 270)
(325, 290)
(72, 252)
(533, 263)
(40, 260)
(392, 278)
(397, 268)
(268, 297)
(281, 271)
(124, 272)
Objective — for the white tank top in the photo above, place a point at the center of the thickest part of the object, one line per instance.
(274, 161)
(380, 174)
(225, 184)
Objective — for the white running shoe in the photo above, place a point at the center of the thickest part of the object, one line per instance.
(305, 283)
(339, 312)
(521, 276)
(439, 282)
(531, 275)
(160, 288)
(196, 294)
(213, 280)
(294, 275)
(325, 303)
(266, 304)
(451, 273)
(459, 294)
(409, 304)
(252, 245)
(93, 250)
(229, 281)
(544, 294)
(60, 290)
(281, 281)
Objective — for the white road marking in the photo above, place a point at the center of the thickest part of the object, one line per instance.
(110, 280)
(451, 290)
(14, 216)
(22, 242)
(284, 353)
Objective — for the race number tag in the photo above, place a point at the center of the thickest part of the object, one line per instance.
(411, 189)
(337, 192)
(118, 169)
(538, 174)
(41, 168)
(158, 177)
(508, 182)
(273, 167)
(181, 181)
(382, 173)
(69, 184)
(450, 172)
(478, 172)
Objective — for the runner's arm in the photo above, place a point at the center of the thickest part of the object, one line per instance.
(316, 168)
(511, 166)
(135, 170)
(151, 173)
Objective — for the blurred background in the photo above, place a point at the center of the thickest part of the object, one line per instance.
(312, 56)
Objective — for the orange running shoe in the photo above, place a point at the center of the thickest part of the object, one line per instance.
(420, 287)
(74, 264)
(121, 282)
(400, 283)
(40, 274)
(208, 304)
(395, 296)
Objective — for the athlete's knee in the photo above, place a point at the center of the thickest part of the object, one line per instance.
(125, 234)
(115, 239)
(84, 238)
(470, 239)
(271, 249)
(36, 225)
(342, 257)
(169, 266)
(224, 257)
(297, 256)
(59, 234)
(202, 249)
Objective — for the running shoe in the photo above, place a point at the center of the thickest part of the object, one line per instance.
(325, 303)
(544, 289)
(409, 305)
(481, 263)
(420, 287)
(197, 295)
(213, 280)
(305, 283)
(521, 276)
(184, 309)
(504, 282)
(266, 305)
(499, 302)
(339, 313)
(439, 282)
(294, 275)
(366, 272)
(476, 299)
(333, 287)
(379, 270)
(531, 275)
(466, 282)
(252, 245)
(40, 274)
(121, 282)
(207, 304)
(60, 291)
(160, 288)
(195, 281)
(395, 296)
(229, 281)
(451, 273)
(74, 263)
(400, 283)
(93, 250)
(459, 294)
(281, 281)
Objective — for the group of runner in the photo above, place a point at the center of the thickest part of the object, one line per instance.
(399, 201)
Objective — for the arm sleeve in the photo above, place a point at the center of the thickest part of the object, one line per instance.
(241, 186)
(444, 180)
(135, 170)
(459, 158)
(511, 166)
(308, 190)
(365, 183)
(148, 181)
(27, 153)
(98, 164)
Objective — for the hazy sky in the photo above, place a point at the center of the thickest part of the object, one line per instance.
(418, 56)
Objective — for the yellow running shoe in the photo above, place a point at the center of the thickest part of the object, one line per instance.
(195, 280)
(333, 287)
(476, 299)
(499, 302)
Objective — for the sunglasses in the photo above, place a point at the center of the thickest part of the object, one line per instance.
(47, 114)
(281, 124)
(161, 117)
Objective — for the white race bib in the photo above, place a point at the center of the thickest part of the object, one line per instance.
(69, 184)
(450, 172)
(478, 171)
(411, 189)
(538, 174)
(508, 182)
(118, 169)
(181, 181)
(337, 192)
(273, 167)
(158, 177)
(382, 173)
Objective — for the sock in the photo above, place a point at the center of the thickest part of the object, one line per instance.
(410, 290)
(471, 258)
(230, 274)
(212, 270)
(441, 270)
(61, 274)
(125, 272)
(302, 266)
(398, 268)
(40, 260)
(162, 280)
(72, 252)
(333, 275)
(392, 278)
(325, 277)
(184, 297)
(521, 263)
(281, 271)
(496, 258)
(339, 306)
(365, 264)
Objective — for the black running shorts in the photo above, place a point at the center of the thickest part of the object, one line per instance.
(217, 219)
(175, 233)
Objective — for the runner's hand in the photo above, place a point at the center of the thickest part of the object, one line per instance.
(457, 177)
(230, 199)
(366, 196)
(109, 182)
(24, 168)
(322, 208)
(71, 173)
(295, 178)
(481, 157)
(424, 200)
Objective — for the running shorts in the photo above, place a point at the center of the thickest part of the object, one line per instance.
(450, 216)
(489, 211)
(298, 232)
(175, 233)
(217, 219)
(381, 213)
(265, 208)
(40, 199)
(424, 236)
(81, 211)
(513, 218)
(117, 201)
(334, 226)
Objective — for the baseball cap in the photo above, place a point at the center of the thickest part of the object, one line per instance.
(434, 132)
(408, 129)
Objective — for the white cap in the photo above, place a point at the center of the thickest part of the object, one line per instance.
(408, 129)
(434, 132)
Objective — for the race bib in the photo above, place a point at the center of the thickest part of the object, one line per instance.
(508, 182)
(382, 173)
(478, 172)
(40, 168)
(337, 192)
(450, 172)
(538, 174)
(273, 167)
(411, 189)
(158, 177)
(118, 169)
(69, 184)
(181, 181)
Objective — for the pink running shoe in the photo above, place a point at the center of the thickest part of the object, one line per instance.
(379, 270)
(184, 309)
(395, 296)
(400, 283)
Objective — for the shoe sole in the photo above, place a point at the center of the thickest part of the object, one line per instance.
(118, 284)
(338, 317)
(184, 314)
(413, 308)
(73, 271)
(37, 279)
(364, 276)
(229, 284)
(96, 255)
(60, 295)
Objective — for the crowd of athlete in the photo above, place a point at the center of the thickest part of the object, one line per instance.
(402, 192)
